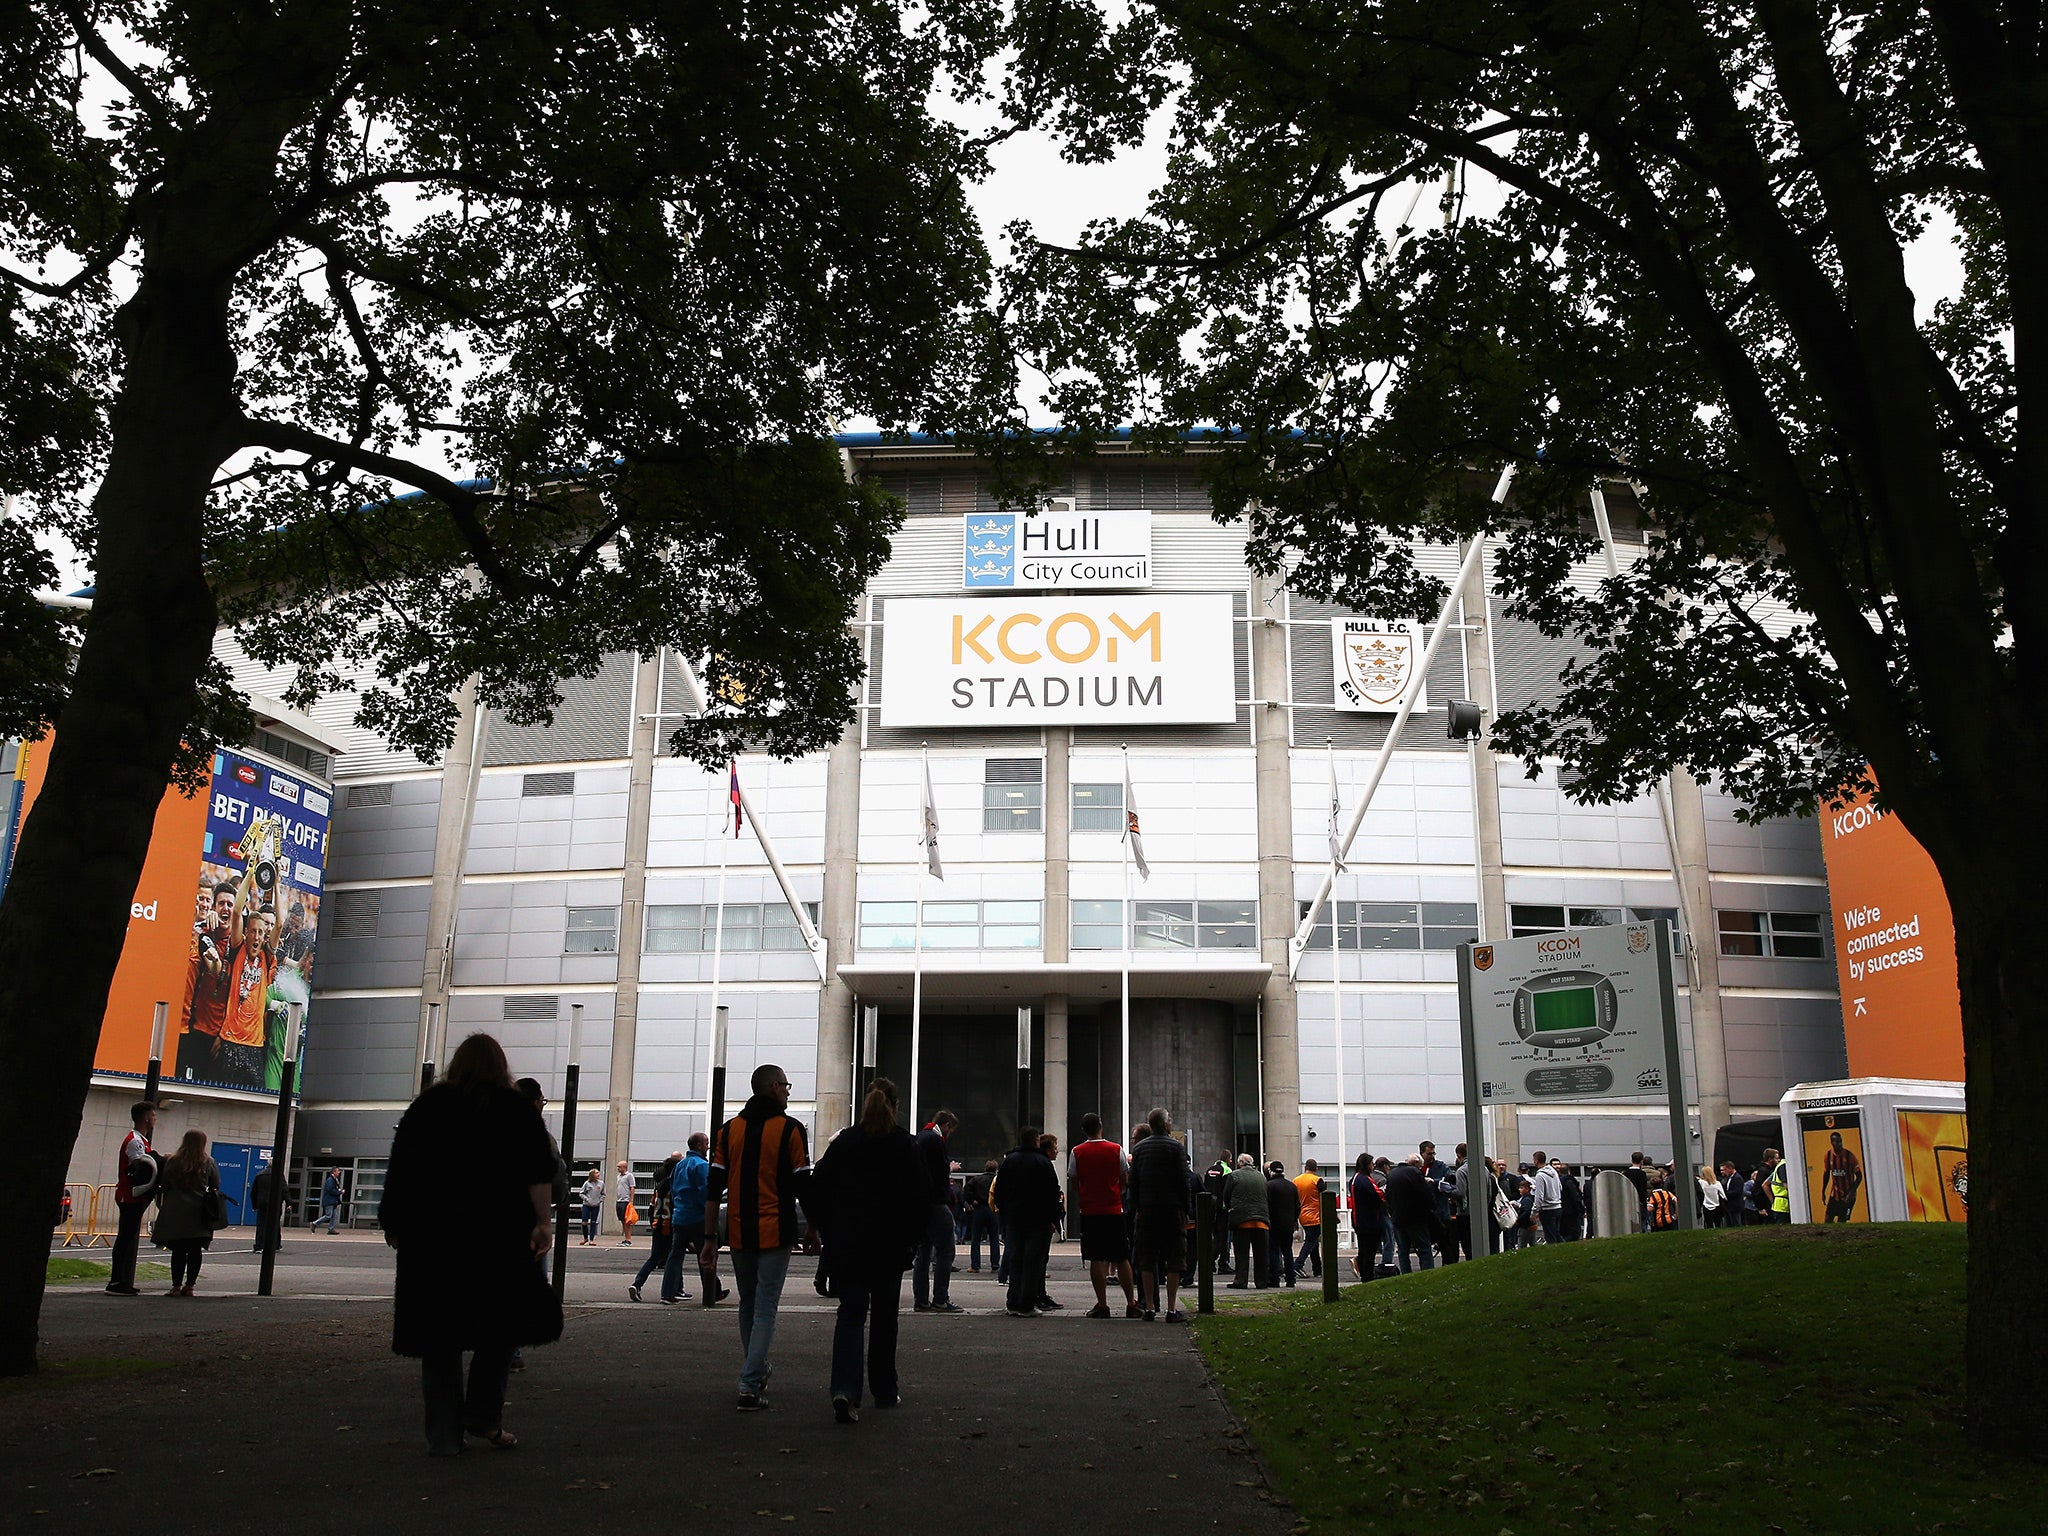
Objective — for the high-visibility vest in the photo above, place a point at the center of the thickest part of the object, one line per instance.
(1781, 1192)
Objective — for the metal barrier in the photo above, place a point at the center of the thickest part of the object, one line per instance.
(91, 1217)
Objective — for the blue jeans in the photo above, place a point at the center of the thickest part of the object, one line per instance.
(931, 1278)
(871, 1298)
(330, 1216)
(1030, 1247)
(982, 1223)
(1413, 1240)
(1280, 1263)
(1552, 1223)
(657, 1258)
(759, 1273)
(590, 1223)
(1310, 1258)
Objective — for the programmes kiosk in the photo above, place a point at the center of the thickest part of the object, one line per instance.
(1877, 1149)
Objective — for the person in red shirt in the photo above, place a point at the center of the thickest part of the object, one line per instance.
(133, 1166)
(1100, 1173)
(214, 937)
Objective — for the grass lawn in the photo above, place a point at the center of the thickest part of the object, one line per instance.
(1765, 1381)
(65, 1271)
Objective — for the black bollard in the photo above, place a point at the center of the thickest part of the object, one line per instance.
(1205, 1249)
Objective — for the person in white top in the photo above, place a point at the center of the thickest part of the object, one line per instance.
(1549, 1201)
(622, 1202)
(1710, 1195)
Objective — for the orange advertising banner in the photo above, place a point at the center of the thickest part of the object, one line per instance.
(154, 958)
(1934, 1149)
(1895, 948)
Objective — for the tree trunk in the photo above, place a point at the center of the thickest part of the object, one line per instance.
(64, 917)
(2005, 1040)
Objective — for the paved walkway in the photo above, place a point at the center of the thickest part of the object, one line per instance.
(291, 1413)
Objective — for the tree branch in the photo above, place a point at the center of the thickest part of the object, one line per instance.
(140, 89)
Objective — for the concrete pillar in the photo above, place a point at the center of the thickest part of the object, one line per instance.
(457, 811)
(836, 922)
(1504, 1135)
(1059, 804)
(1278, 910)
(618, 1124)
(1709, 1043)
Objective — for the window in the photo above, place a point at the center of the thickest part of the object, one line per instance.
(1396, 925)
(1176, 925)
(1779, 935)
(952, 925)
(1525, 921)
(690, 930)
(592, 931)
(1012, 795)
(312, 759)
(534, 786)
(1098, 808)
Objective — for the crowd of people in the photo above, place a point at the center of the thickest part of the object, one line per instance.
(880, 1202)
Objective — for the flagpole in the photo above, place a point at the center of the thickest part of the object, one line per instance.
(917, 951)
(1337, 988)
(1130, 933)
(718, 960)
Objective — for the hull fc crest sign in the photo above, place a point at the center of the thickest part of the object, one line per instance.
(1374, 660)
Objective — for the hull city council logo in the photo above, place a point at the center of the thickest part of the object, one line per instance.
(1482, 957)
(1374, 662)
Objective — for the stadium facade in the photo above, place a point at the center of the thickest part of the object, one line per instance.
(540, 868)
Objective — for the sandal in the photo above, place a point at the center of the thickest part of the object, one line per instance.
(502, 1440)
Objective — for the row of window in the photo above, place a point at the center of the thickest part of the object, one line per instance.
(1768, 935)
(1171, 925)
(1013, 799)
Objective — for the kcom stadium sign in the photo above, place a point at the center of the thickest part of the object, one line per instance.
(1133, 660)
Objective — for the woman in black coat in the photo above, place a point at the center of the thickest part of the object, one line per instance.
(468, 1205)
(871, 1197)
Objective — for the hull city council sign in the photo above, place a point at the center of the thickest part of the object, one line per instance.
(1055, 547)
(1134, 660)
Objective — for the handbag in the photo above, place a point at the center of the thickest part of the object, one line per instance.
(213, 1208)
(1504, 1215)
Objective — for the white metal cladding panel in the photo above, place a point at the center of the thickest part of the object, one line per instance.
(1399, 1047)
(892, 801)
(362, 753)
(539, 1048)
(672, 1045)
(1784, 845)
(1540, 826)
(514, 832)
(1421, 814)
(701, 889)
(362, 1047)
(387, 841)
(688, 816)
(1193, 808)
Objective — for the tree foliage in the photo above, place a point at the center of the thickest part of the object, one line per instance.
(623, 266)
(1688, 276)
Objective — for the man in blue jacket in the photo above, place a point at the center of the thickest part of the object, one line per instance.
(687, 1191)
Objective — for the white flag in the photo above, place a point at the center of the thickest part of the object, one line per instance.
(929, 840)
(1131, 827)
(1336, 817)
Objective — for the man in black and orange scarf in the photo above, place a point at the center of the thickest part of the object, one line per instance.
(759, 1163)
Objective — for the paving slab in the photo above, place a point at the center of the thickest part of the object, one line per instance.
(229, 1412)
